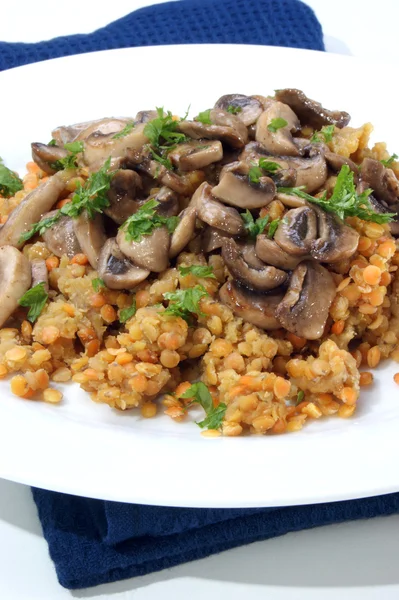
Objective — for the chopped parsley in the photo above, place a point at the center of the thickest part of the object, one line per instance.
(204, 117)
(127, 313)
(69, 162)
(300, 397)
(234, 110)
(10, 184)
(52, 142)
(273, 228)
(127, 129)
(97, 284)
(327, 132)
(344, 202)
(387, 162)
(35, 299)
(145, 220)
(198, 271)
(252, 227)
(163, 135)
(258, 171)
(200, 394)
(184, 303)
(91, 197)
(276, 124)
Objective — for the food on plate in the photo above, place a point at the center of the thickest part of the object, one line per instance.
(244, 261)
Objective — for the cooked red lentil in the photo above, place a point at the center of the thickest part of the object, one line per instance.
(235, 260)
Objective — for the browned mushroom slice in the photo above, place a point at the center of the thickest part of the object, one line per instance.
(278, 142)
(235, 188)
(31, 210)
(184, 231)
(310, 172)
(45, 156)
(335, 241)
(15, 276)
(262, 279)
(117, 272)
(151, 252)
(122, 193)
(91, 236)
(336, 162)
(247, 108)
(382, 180)
(224, 127)
(254, 307)
(60, 239)
(168, 202)
(196, 154)
(39, 272)
(297, 231)
(305, 306)
(144, 116)
(311, 112)
(212, 239)
(271, 253)
(214, 213)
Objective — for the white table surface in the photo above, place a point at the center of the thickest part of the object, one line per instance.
(351, 561)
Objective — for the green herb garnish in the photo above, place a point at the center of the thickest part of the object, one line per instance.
(145, 220)
(97, 284)
(10, 184)
(127, 129)
(52, 142)
(273, 228)
(198, 271)
(163, 160)
(127, 313)
(69, 162)
(258, 171)
(327, 132)
(276, 124)
(201, 395)
(204, 117)
(387, 162)
(39, 227)
(234, 110)
(254, 228)
(184, 303)
(163, 135)
(300, 397)
(36, 299)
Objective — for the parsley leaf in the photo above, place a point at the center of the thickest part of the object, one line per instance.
(257, 171)
(36, 299)
(127, 313)
(39, 227)
(145, 220)
(254, 228)
(344, 202)
(276, 124)
(204, 117)
(327, 132)
(300, 397)
(69, 162)
(184, 303)
(201, 395)
(198, 271)
(97, 284)
(390, 160)
(127, 129)
(234, 110)
(162, 131)
(52, 142)
(161, 159)
(273, 227)
(10, 184)
(254, 174)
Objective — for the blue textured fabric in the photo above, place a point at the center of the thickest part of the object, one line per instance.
(93, 542)
(272, 22)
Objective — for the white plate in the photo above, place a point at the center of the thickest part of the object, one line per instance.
(87, 449)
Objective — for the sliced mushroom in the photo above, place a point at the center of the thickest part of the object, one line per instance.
(122, 193)
(16, 277)
(144, 116)
(214, 213)
(247, 108)
(254, 307)
(335, 240)
(31, 210)
(196, 154)
(382, 180)
(212, 239)
(297, 231)
(91, 236)
(336, 162)
(151, 252)
(224, 127)
(184, 231)
(310, 172)
(305, 306)
(311, 112)
(279, 142)
(262, 279)
(45, 156)
(60, 239)
(248, 253)
(168, 202)
(39, 272)
(271, 254)
(117, 272)
(235, 188)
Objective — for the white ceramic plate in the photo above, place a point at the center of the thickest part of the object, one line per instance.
(87, 449)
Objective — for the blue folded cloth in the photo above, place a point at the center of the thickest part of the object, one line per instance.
(272, 22)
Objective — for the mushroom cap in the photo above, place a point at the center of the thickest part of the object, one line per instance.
(16, 277)
(249, 108)
(234, 188)
(60, 239)
(91, 236)
(271, 254)
(214, 213)
(224, 127)
(151, 252)
(184, 232)
(122, 193)
(311, 112)
(116, 270)
(261, 279)
(278, 142)
(336, 241)
(382, 180)
(45, 155)
(212, 239)
(297, 231)
(310, 172)
(336, 162)
(196, 154)
(254, 307)
(305, 306)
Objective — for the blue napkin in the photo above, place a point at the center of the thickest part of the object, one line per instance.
(272, 22)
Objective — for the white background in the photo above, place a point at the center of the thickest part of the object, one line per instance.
(352, 561)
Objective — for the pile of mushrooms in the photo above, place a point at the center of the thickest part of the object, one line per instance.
(279, 282)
